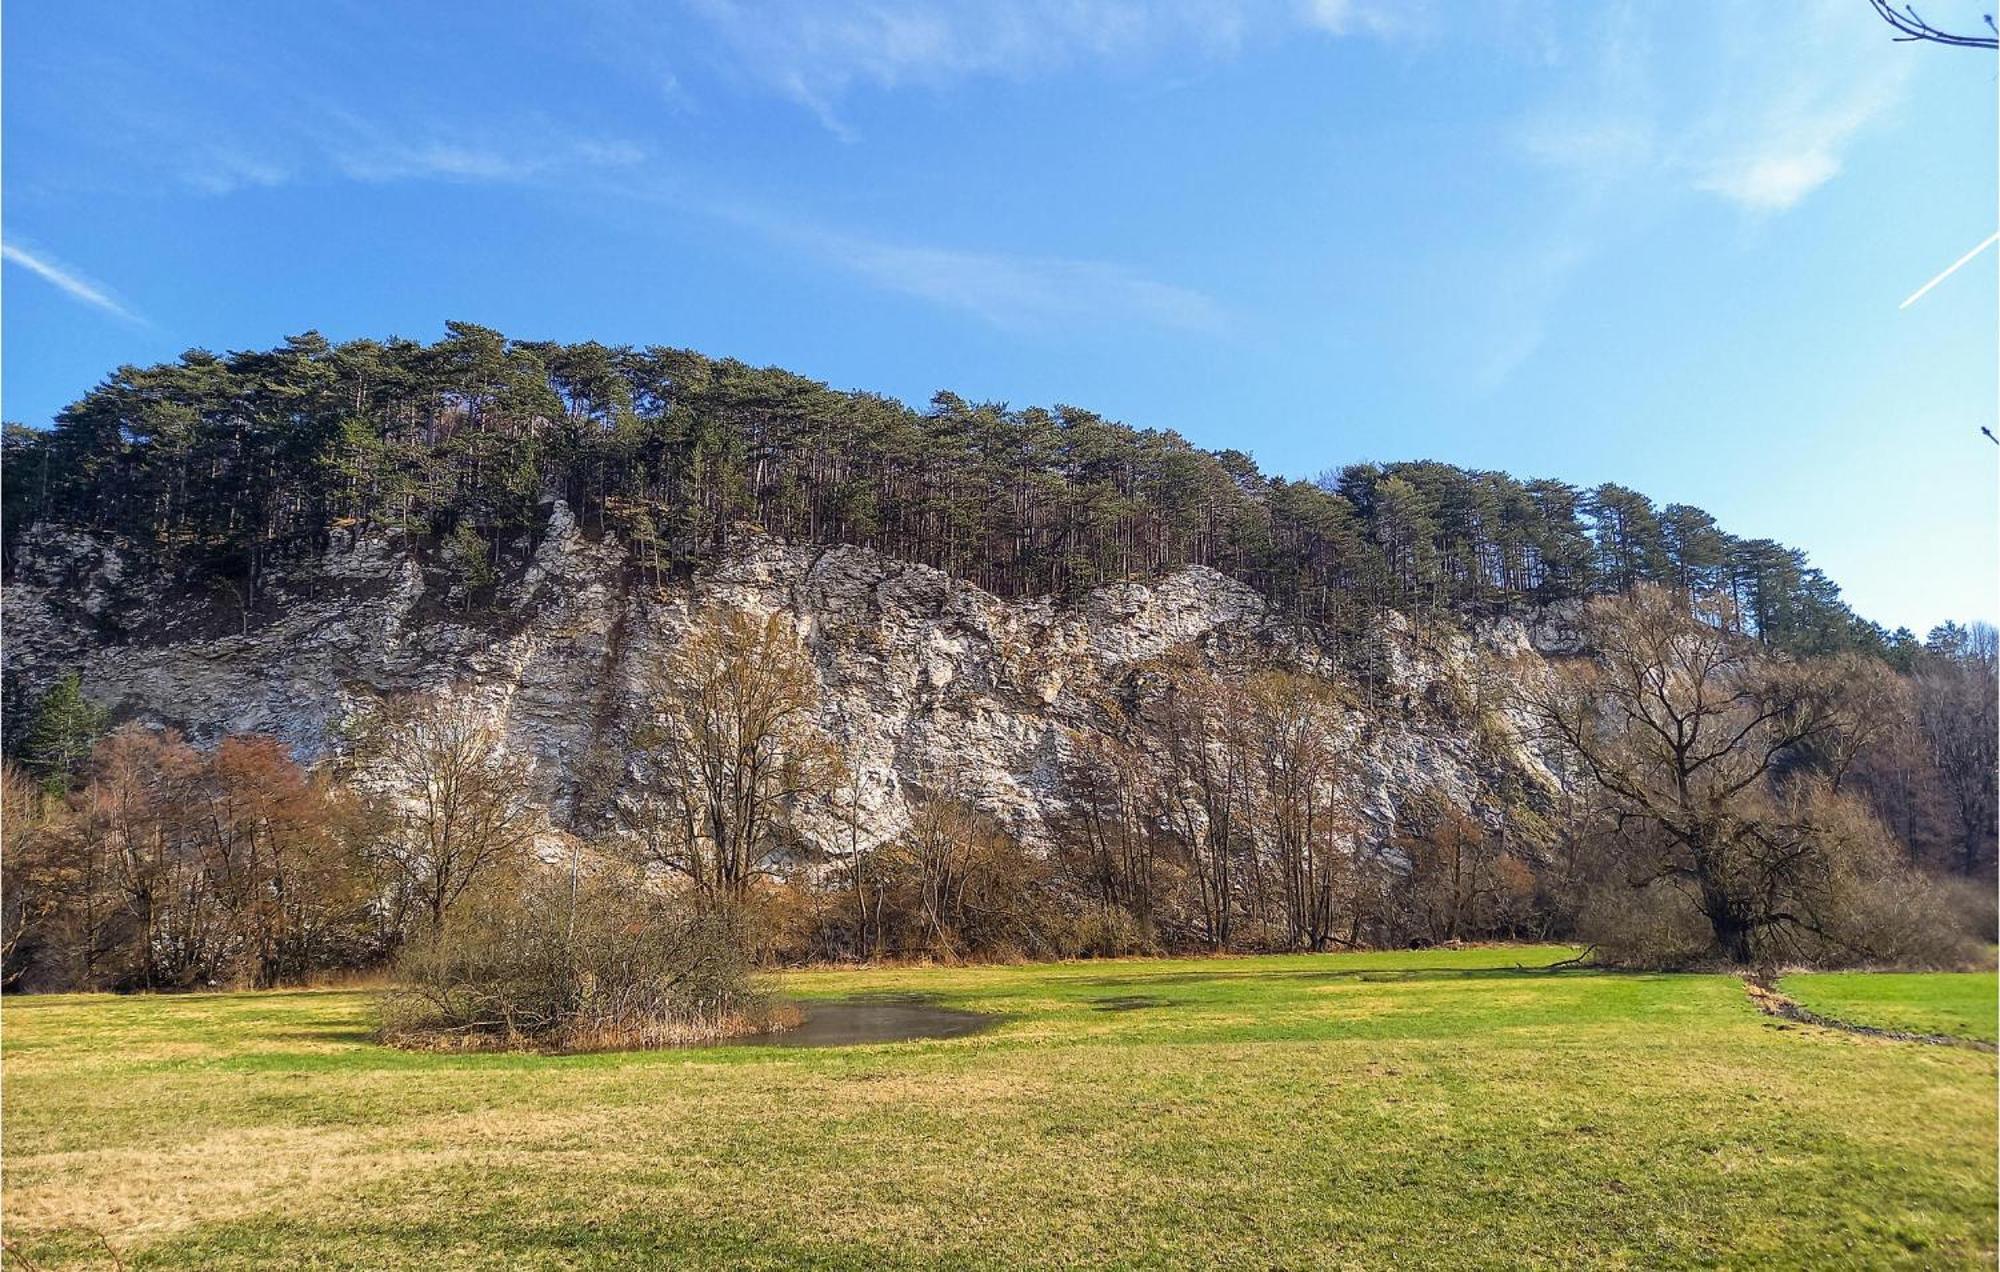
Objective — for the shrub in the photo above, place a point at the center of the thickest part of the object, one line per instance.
(1104, 932)
(586, 962)
(1893, 915)
(1652, 927)
(1850, 900)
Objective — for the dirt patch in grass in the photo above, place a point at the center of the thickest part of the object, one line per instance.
(1773, 1003)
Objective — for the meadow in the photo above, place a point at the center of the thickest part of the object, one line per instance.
(1947, 1004)
(1437, 1108)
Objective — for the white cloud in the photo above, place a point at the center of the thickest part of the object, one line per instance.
(67, 280)
(817, 51)
(1588, 145)
(1792, 142)
(1765, 118)
(364, 149)
(216, 169)
(1025, 292)
(1349, 17)
(379, 161)
(1020, 293)
(1650, 108)
(308, 138)
(1771, 182)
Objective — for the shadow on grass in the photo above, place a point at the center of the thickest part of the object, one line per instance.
(353, 1035)
(1360, 974)
(534, 1238)
(1130, 1002)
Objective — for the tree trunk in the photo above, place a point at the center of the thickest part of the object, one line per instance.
(1732, 937)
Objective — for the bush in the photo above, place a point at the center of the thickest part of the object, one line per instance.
(955, 885)
(1858, 903)
(599, 962)
(1897, 916)
(1106, 932)
(1651, 927)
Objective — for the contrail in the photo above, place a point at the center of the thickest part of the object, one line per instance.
(66, 280)
(1953, 269)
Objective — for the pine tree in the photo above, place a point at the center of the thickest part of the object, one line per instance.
(65, 727)
(467, 550)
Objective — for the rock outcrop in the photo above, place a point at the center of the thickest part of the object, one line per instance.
(929, 682)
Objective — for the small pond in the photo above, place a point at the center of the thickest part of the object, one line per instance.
(845, 1022)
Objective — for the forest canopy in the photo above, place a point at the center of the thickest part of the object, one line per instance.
(221, 465)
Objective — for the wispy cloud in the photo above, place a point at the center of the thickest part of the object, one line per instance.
(223, 111)
(1794, 108)
(1767, 124)
(1355, 17)
(1027, 292)
(346, 146)
(1753, 106)
(67, 280)
(215, 168)
(1020, 293)
(1519, 306)
(366, 151)
(818, 51)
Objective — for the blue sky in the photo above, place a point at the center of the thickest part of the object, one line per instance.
(1663, 244)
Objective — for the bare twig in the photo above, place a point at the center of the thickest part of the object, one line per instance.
(1909, 26)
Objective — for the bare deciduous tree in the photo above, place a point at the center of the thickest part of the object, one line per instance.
(30, 876)
(958, 884)
(138, 806)
(1958, 714)
(732, 750)
(1297, 726)
(459, 805)
(279, 850)
(1204, 797)
(1113, 846)
(1689, 737)
(1460, 880)
(1911, 26)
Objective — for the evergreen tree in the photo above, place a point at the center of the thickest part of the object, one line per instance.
(467, 551)
(65, 726)
(218, 466)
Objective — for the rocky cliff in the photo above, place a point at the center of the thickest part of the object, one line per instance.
(929, 682)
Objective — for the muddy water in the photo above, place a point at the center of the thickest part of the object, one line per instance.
(846, 1022)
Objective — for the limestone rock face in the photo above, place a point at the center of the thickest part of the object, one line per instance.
(930, 683)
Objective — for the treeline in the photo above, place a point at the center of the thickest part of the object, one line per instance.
(157, 865)
(165, 867)
(1721, 805)
(221, 465)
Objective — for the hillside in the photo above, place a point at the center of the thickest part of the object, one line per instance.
(968, 681)
(256, 542)
(222, 468)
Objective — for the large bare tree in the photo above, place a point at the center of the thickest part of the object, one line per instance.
(1698, 747)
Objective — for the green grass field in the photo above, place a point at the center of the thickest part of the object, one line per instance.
(1957, 1004)
(1432, 1109)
